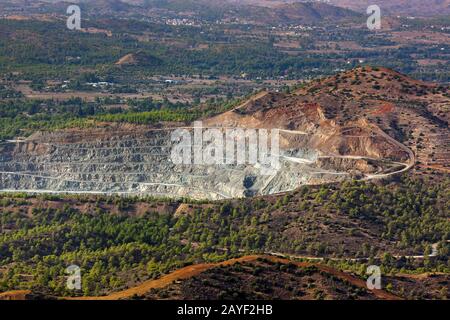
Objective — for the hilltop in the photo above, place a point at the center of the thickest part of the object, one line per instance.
(413, 112)
(367, 111)
(138, 59)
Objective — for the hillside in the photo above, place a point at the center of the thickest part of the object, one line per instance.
(267, 278)
(413, 112)
(258, 13)
(126, 241)
(351, 113)
(401, 7)
(299, 13)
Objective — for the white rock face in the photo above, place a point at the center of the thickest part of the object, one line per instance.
(140, 164)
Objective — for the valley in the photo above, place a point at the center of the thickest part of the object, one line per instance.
(224, 150)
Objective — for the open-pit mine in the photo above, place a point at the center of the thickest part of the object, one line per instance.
(325, 134)
(137, 160)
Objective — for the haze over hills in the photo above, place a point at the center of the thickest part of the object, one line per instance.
(400, 7)
(302, 13)
(390, 7)
(280, 13)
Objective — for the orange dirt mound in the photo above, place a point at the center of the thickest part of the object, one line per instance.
(15, 295)
(386, 108)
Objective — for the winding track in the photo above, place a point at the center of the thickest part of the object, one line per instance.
(412, 157)
(434, 253)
